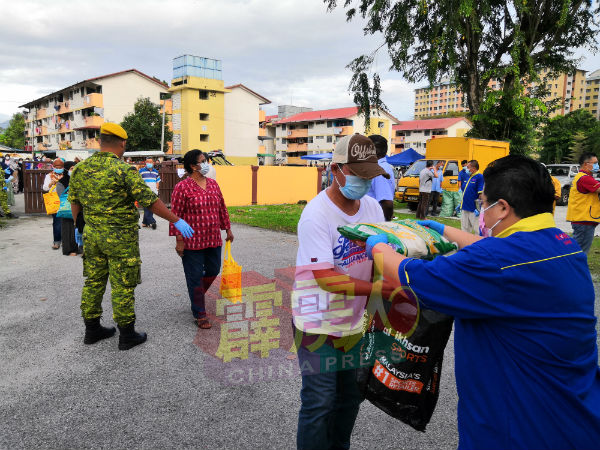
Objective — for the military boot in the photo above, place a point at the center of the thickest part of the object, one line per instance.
(129, 338)
(95, 332)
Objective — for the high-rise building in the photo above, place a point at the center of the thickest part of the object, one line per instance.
(591, 93)
(415, 133)
(446, 97)
(67, 122)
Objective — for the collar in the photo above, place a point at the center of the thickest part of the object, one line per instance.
(106, 155)
(471, 176)
(586, 172)
(382, 160)
(532, 223)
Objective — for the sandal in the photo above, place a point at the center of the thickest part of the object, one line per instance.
(55, 246)
(203, 323)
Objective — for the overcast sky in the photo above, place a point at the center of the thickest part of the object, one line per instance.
(289, 51)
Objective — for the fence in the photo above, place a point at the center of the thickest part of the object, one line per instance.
(240, 185)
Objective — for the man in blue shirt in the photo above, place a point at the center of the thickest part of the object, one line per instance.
(526, 357)
(152, 179)
(473, 188)
(383, 189)
(436, 188)
(463, 175)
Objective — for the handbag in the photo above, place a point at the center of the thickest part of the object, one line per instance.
(51, 201)
(231, 278)
(64, 210)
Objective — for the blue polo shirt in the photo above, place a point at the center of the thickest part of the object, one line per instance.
(473, 188)
(463, 177)
(436, 184)
(382, 188)
(526, 357)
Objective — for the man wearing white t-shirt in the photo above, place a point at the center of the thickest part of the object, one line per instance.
(333, 282)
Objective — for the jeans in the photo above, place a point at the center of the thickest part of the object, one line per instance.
(200, 268)
(330, 401)
(57, 229)
(584, 235)
(148, 217)
(435, 198)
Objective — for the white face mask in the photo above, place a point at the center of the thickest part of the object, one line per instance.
(490, 229)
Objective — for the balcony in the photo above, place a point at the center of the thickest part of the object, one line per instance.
(93, 100)
(261, 115)
(64, 107)
(93, 143)
(398, 140)
(343, 131)
(41, 113)
(298, 133)
(93, 122)
(42, 146)
(297, 147)
(64, 145)
(168, 106)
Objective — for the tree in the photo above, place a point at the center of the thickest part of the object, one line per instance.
(472, 43)
(591, 142)
(564, 138)
(144, 126)
(14, 135)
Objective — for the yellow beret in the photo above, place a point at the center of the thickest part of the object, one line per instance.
(114, 129)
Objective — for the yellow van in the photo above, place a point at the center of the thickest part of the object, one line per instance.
(450, 150)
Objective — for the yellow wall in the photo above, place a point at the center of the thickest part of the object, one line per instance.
(242, 160)
(278, 185)
(385, 131)
(236, 184)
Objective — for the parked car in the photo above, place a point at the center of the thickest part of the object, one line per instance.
(564, 173)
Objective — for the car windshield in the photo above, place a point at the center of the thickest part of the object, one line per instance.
(415, 169)
(559, 171)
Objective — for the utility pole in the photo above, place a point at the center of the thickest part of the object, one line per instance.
(164, 97)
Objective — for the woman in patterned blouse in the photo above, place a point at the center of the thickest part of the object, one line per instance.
(198, 200)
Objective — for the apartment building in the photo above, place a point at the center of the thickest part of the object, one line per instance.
(314, 132)
(447, 97)
(592, 88)
(245, 138)
(415, 133)
(67, 122)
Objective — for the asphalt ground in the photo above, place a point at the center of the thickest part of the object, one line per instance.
(170, 392)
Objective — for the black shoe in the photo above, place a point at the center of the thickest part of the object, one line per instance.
(12, 216)
(153, 226)
(95, 332)
(129, 338)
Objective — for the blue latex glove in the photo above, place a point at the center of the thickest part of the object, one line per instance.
(78, 238)
(476, 213)
(184, 228)
(372, 241)
(436, 226)
(5, 188)
(10, 179)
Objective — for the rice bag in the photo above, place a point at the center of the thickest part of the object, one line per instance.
(406, 236)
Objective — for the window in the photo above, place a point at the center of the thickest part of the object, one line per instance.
(310, 139)
(203, 95)
(320, 122)
(380, 124)
(203, 116)
(311, 125)
(329, 125)
(426, 132)
(451, 166)
(329, 139)
(283, 127)
(319, 137)
(204, 138)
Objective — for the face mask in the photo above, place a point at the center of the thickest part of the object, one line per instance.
(70, 172)
(59, 171)
(149, 165)
(488, 231)
(465, 168)
(595, 168)
(204, 168)
(355, 187)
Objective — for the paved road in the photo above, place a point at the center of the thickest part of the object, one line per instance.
(168, 393)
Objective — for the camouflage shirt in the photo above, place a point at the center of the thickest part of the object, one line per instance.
(107, 188)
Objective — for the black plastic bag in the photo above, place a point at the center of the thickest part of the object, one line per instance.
(401, 374)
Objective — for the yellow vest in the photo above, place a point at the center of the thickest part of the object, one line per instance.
(582, 207)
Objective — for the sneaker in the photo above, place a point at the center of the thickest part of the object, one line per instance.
(153, 226)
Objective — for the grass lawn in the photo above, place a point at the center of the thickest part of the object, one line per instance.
(285, 218)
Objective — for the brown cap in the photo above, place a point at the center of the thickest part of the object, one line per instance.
(358, 153)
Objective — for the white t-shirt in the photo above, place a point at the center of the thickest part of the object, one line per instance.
(321, 246)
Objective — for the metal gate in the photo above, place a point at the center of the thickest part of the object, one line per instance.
(33, 180)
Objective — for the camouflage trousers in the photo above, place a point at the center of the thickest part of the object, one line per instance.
(115, 255)
(4, 196)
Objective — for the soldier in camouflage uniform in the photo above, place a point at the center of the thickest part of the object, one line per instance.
(4, 187)
(105, 188)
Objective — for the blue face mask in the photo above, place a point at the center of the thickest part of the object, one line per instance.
(149, 166)
(355, 187)
(596, 168)
(59, 171)
(204, 168)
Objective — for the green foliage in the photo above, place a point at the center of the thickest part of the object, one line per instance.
(564, 138)
(14, 135)
(447, 115)
(471, 43)
(591, 142)
(144, 126)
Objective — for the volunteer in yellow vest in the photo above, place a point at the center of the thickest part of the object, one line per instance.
(584, 205)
